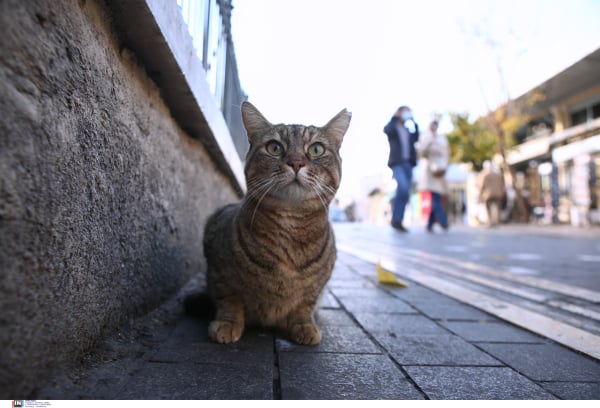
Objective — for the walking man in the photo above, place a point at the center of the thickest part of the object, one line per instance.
(402, 133)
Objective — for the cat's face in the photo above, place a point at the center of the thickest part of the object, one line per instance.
(293, 163)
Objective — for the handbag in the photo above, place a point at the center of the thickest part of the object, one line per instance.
(436, 164)
(437, 171)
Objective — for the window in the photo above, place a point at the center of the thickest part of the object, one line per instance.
(195, 14)
(578, 117)
(595, 181)
(596, 111)
(205, 25)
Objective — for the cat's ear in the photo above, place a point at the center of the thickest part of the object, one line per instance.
(254, 122)
(336, 128)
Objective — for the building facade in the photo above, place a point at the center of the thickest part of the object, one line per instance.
(557, 158)
(209, 24)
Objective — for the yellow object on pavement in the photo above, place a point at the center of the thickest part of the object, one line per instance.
(388, 278)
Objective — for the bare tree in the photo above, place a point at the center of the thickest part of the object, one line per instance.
(507, 115)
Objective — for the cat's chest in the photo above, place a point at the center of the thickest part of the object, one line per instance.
(290, 282)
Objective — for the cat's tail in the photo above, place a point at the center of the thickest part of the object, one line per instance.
(200, 304)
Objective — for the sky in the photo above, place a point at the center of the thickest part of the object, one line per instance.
(304, 61)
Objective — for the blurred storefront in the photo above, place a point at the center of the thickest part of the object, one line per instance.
(557, 159)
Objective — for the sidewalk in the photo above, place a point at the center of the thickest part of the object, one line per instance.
(545, 230)
(378, 343)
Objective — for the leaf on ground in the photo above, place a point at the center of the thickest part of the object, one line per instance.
(388, 278)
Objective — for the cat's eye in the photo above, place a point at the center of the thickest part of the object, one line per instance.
(316, 150)
(274, 148)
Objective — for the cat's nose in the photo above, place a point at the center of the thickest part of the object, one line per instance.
(296, 165)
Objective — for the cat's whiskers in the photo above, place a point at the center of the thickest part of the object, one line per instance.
(260, 191)
(258, 204)
(324, 185)
(255, 189)
(316, 185)
(327, 188)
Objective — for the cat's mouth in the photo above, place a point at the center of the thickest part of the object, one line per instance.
(294, 179)
(296, 183)
(297, 187)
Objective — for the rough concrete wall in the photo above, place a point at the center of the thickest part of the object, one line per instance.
(102, 197)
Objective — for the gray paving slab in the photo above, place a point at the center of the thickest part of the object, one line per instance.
(335, 339)
(352, 281)
(491, 331)
(367, 271)
(106, 370)
(328, 301)
(437, 349)
(343, 273)
(100, 380)
(200, 381)
(352, 261)
(379, 304)
(574, 390)
(397, 324)
(546, 362)
(416, 293)
(366, 291)
(189, 343)
(329, 317)
(475, 383)
(449, 309)
(342, 376)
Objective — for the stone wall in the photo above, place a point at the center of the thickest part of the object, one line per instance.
(102, 196)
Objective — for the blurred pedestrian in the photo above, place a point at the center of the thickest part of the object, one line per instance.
(402, 133)
(435, 154)
(491, 192)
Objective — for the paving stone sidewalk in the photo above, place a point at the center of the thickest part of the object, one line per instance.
(378, 343)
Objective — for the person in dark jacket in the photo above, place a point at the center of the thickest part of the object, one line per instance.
(402, 133)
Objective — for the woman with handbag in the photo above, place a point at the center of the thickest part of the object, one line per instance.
(435, 154)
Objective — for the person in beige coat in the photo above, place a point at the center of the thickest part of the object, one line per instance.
(491, 192)
(435, 153)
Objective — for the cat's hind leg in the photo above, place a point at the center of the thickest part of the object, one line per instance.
(301, 326)
(228, 325)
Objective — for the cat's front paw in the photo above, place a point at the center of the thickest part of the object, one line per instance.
(225, 332)
(306, 333)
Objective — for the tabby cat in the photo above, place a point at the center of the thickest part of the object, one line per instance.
(270, 255)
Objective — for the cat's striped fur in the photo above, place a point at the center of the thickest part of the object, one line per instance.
(270, 255)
